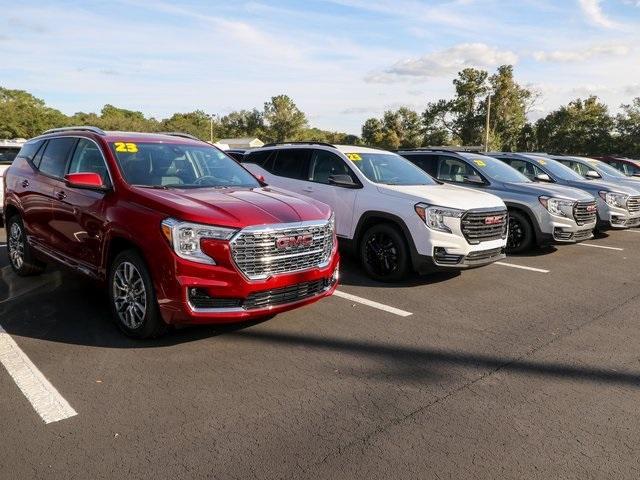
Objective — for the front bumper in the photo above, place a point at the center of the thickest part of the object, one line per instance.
(558, 230)
(192, 293)
(610, 217)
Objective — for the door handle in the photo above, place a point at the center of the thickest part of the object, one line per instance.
(25, 183)
(61, 195)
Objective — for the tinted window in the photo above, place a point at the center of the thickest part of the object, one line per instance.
(87, 158)
(54, 158)
(428, 163)
(259, 158)
(292, 163)
(30, 149)
(451, 169)
(494, 169)
(529, 170)
(170, 165)
(7, 154)
(325, 164)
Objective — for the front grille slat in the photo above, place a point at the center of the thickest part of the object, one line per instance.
(284, 295)
(633, 204)
(581, 212)
(256, 254)
(476, 230)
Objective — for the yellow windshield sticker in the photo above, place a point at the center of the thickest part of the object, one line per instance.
(122, 147)
(542, 162)
(354, 157)
(480, 163)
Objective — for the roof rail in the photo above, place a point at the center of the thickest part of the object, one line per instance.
(274, 144)
(181, 134)
(479, 150)
(96, 130)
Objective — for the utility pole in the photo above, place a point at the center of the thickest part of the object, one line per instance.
(486, 138)
(211, 128)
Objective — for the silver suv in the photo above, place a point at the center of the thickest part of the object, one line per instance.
(539, 214)
(618, 204)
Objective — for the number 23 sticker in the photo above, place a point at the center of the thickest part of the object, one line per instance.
(480, 163)
(354, 157)
(122, 147)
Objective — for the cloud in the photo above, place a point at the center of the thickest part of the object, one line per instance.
(444, 62)
(593, 11)
(581, 55)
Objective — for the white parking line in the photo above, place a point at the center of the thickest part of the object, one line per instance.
(601, 246)
(371, 303)
(523, 267)
(631, 231)
(43, 396)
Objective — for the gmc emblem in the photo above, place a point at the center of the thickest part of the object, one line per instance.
(591, 208)
(493, 220)
(294, 241)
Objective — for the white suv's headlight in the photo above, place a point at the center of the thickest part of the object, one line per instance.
(185, 238)
(560, 207)
(615, 199)
(434, 217)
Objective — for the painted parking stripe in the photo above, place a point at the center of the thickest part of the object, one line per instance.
(601, 246)
(631, 231)
(522, 267)
(43, 396)
(371, 303)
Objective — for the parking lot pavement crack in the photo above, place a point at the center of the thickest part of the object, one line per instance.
(364, 440)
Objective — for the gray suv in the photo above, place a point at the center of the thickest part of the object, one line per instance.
(539, 214)
(618, 205)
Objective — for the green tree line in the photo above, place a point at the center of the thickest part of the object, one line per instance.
(23, 115)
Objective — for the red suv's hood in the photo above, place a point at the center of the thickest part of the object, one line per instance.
(233, 207)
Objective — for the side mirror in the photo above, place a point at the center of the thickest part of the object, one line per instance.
(90, 181)
(342, 180)
(542, 177)
(592, 174)
(260, 178)
(473, 179)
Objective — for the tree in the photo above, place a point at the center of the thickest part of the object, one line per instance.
(196, 123)
(23, 115)
(372, 132)
(437, 127)
(243, 123)
(283, 119)
(628, 129)
(583, 127)
(114, 118)
(397, 128)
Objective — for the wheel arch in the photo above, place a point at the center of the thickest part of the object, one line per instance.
(528, 213)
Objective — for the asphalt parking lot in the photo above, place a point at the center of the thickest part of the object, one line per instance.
(499, 372)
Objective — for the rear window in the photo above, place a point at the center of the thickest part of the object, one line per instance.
(7, 154)
(30, 149)
(55, 156)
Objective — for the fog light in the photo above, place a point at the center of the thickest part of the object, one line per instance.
(335, 276)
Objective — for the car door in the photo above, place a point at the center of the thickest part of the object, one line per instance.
(79, 213)
(50, 163)
(341, 199)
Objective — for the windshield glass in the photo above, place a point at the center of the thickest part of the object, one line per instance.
(603, 167)
(558, 170)
(495, 169)
(177, 165)
(389, 169)
(7, 154)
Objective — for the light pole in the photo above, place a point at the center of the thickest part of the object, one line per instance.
(211, 128)
(486, 138)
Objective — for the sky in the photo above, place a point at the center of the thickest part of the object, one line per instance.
(342, 61)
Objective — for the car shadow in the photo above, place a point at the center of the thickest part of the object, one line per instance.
(535, 252)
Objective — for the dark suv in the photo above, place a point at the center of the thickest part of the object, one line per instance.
(178, 231)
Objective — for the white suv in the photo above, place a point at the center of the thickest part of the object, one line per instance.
(393, 215)
(8, 151)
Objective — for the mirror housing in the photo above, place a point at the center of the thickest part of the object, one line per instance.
(342, 180)
(543, 177)
(473, 179)
(260, 178)
(90, 181)
(592, 174)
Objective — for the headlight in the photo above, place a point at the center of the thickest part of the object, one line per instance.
(560, 207)
(332, 221)
(434, 217)
(185, 238)
(615, 199)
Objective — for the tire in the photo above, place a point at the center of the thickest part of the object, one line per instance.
(132, 298)
(521, 236)
(20, 255)
(384, 254)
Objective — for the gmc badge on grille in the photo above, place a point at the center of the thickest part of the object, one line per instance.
(294, 241)
(493, 220)
(591, 208)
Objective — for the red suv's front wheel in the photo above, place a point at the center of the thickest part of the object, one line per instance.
(132, 297)
(20, 255)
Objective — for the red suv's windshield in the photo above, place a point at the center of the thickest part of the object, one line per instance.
(178, 165)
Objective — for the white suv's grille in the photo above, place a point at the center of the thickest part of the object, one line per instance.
(260, 252)
(633, 204)
(484, 225)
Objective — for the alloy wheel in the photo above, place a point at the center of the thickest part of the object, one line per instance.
(381, 254)
(516, 234)
(16, 246)
(129, 295)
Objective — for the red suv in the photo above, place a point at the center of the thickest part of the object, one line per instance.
(178, 231)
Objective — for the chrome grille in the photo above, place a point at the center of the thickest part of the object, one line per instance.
(256, 254)
(633, 204)
(476, 229)
(581, 213)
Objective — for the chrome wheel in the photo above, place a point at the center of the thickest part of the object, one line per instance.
(16, 246)
(129, 295)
